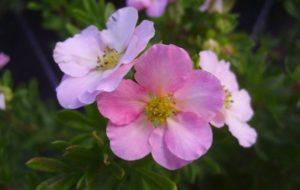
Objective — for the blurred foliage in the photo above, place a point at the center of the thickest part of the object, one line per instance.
(81, 158)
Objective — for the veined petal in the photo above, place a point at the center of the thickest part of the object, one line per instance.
(163, 68)
(245, 134)
(202, 94)
(141, 36)
(130, 142)
(120, 28)
(188, 136)
(78, 55)
(161, 153)
(123, 105)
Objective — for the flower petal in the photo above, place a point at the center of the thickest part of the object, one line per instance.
(160, 152)
(241, 105)
(120, 28)
(162, 68)
(4, 59)
(123, 105)
(141, 36)
(202, 94)
(2, 101)
(138, 4)
(242, 131)
(221, 69)
(76, 56)
(70, 90)
(219, 120)
(130, 142)
(188, 136)
(157, 8)
(111, 81)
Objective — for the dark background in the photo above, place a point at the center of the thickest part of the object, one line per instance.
(30, 46)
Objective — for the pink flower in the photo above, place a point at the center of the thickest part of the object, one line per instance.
(212, 6)
(154, 8)
(166, 112)
(96, 61)
(237, 110)
(4, 59)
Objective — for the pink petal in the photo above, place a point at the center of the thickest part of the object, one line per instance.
(241, 106)
(160, 152)
(4, 59)
(112, 80)
(138, 4)
(123, 105)
(221, 69)
(157, 8)
(205, 6)
(188, 136)
(242, 131)
(202, 94)
(162, 68)
(120, 28)
(130, 142)
(78, 55)
(219, 120)
(2, 101)
(71, 89)
(141, 36)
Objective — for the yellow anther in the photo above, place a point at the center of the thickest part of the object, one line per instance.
(228, 99)
(159, 108)
(109, 60)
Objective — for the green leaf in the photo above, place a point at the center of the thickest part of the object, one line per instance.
(46, 164)
(156, 181)
(74, 119)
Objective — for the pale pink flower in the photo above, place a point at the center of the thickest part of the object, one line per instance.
(154, 8)
(96, 61)
(4, 59)
(166, 112)
(212, 6)
(237, 110)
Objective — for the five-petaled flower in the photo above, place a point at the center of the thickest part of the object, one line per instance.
(166, 112)
(96, 61)
(154, 8)
(237, 110)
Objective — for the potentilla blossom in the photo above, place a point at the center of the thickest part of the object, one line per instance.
(4, 59)
(166, 112)
(237, 110)
(212, 6)
(96, 61)
(154, 8)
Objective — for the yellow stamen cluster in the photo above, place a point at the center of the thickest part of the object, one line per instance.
(109, 60)
(228, 99)
(159, 109)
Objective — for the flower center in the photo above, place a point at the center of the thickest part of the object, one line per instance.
(159, 108)
(228, 99)
(109, 60)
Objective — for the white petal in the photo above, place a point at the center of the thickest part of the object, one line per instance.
(242, 131)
